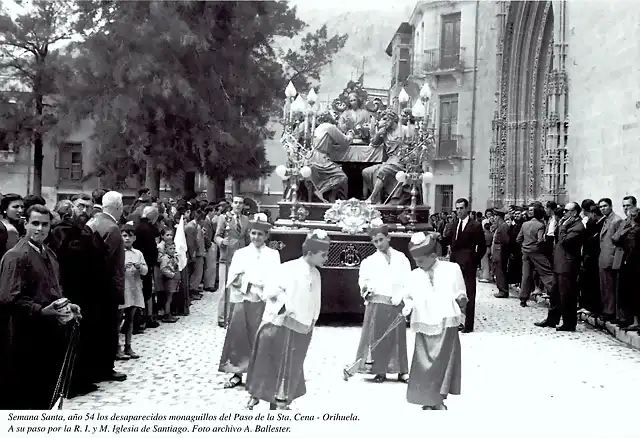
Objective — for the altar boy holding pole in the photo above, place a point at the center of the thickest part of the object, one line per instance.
(381, 280)
(293, 305)
(251, 268)
(435, 295)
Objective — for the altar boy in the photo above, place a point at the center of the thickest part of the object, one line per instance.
(250, 269)
(435, 295)
(382, 276)
(293, 305)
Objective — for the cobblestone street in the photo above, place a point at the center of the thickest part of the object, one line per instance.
(506, 361)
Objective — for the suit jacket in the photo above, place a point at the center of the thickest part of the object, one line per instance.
(107, 228)
(146, 234)
(607, 248)
(501, 242)
(237, 239)
(191, 235)
(567, 253)
(209, 230)
(468, 248)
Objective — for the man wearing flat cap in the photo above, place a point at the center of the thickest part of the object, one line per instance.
(435, 297)
(500, 252)
(381, 280)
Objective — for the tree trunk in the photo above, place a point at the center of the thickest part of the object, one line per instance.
(189, 185)
(215, 188)
(37, 164)
(236, 187)
(152, 176)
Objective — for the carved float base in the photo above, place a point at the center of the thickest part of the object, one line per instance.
(340, 291)
(391, 214)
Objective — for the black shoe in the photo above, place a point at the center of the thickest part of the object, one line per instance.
(138, 330)
(83, 389)
(565, 328)
(523, 303)
(221, 324)
(544, 323)
(501, 295)
(151, 324)
(114, 376)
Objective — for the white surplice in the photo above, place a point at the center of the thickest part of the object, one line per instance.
(383, 278)
(435, 301)
(254, 266)
(296, 285)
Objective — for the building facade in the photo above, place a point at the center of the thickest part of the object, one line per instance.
(440, 45)
(542, 98)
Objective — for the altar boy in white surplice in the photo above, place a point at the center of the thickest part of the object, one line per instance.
(251, 268)
(381, 280)
(293, 305)
(435, 295)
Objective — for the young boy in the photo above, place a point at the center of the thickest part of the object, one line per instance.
(135, 267)
(381, 281)
(275, 371)
(168, 277)
(435, 295)
(250, 269)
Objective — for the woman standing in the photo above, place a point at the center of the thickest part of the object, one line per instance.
(11, 221)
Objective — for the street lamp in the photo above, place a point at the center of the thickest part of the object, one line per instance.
(403, 98)
(416, 157)
(298, 154)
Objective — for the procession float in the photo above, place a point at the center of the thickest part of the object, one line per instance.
(348, 164)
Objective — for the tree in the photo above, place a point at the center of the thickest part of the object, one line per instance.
(168, 88)
(28, 63)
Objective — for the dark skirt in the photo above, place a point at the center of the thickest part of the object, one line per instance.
(240, 338)
(276, 372)
(390, 355)
(435, 368)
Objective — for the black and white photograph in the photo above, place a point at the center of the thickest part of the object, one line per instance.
(335, 208)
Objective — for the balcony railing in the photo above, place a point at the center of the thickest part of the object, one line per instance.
(449, 147)
(438, 61)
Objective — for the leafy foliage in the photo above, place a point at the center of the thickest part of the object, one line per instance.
(160, 80)
(28, 65)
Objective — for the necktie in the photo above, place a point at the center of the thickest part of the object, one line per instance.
(459, 229)
(430, 272)
(238, 225)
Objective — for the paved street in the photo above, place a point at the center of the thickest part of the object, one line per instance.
(506, 361)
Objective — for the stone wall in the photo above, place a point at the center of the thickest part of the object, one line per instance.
(604, 100)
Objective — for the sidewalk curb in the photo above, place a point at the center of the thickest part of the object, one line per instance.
(632, 339)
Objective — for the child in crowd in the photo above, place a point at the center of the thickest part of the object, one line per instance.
(167, 273)
(135, 267)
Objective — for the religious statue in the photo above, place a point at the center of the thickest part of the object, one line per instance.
(327, 178)
(357, 114)
(381, 177)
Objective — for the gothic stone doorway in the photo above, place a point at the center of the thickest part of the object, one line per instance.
(520, 125)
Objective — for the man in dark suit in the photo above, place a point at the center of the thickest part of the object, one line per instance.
(105, 224)
(468, 246)
(500, 252)
(608, 276)
(567, 257)
(232, 233)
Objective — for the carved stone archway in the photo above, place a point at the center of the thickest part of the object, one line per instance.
(526, 116)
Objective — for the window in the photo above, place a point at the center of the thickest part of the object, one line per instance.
(444, 198)
(4, 142)
(448, 139)
(70, 162)
(450, 41)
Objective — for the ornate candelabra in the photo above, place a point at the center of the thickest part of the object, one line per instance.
(297, 141)
(417, 155)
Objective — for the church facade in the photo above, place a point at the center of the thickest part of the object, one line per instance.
(564, 101)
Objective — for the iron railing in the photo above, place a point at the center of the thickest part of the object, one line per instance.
(436, 60)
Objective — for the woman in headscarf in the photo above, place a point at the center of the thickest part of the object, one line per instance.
(328, 178)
